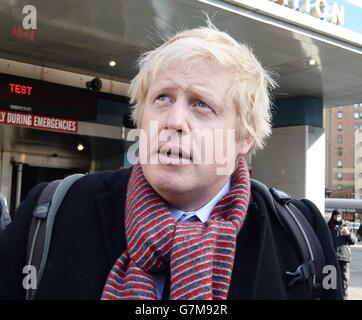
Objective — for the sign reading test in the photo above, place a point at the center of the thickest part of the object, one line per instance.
(20, 89)
(38, 122)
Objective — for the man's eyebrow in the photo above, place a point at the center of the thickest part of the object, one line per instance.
(207, 94)
(164, 85)
(196, 89)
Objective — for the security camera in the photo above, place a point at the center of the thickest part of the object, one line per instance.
(95, 84)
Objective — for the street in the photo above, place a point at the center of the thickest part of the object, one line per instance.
(355, 292)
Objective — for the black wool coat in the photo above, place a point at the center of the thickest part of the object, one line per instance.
(88, 236)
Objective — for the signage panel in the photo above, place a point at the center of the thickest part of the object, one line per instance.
(35, 121)
(40, 97)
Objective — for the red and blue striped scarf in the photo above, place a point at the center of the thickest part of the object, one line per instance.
(200, 255)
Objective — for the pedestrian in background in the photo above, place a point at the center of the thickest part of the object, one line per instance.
(4, 213)
(342, 237)
(359, 233)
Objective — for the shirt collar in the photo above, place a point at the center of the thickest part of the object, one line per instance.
(204, 212)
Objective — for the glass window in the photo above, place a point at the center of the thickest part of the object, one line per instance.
(340, 151)
(356, 115)
(339, 115)
(339, 163)
(360, 114)
(339, 127)
(340, 139)
(355, 127)
(340, 175)
(339, 187)
(360, 105)
(356, 105)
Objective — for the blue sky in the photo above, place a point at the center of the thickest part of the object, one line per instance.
(352, 15)
(352, 12)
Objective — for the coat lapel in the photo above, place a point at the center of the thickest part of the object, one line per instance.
(254, 244)
(111, 208)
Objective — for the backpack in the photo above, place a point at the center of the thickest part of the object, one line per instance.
(291, 214)
(41, 226)
(286, 210)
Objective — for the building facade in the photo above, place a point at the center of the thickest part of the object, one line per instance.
(342, 124)
(358, 163)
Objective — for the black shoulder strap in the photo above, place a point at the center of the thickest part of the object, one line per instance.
(41, 226)
(305, 208)
(301, 233)
(36, 237)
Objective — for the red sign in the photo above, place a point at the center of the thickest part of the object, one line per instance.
(50, 99)
(20, 89)
(29, 120)
(21, 33)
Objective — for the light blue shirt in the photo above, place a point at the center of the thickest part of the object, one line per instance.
(203, 214)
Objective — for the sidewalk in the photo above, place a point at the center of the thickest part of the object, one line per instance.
(355, 287)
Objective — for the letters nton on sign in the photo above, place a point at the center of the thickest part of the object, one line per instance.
(321, 9)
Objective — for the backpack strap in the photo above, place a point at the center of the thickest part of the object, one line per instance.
(301, 233)
(305, 207)
(41, 226)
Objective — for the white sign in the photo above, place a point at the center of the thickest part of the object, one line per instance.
(321, 9)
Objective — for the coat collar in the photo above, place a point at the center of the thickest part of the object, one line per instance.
(111, 208)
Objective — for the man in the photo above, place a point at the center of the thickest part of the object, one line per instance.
(342, 237)
(4, 213)
(180, 224)
(359, 233)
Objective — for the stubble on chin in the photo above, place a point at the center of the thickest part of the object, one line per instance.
(170, 181)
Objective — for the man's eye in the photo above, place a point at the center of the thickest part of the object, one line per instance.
(163, 97)
(202, 105)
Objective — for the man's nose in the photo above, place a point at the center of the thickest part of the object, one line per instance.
(177, 116)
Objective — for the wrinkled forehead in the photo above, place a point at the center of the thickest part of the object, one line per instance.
(199, 71)
(185, 64)
(204, 75)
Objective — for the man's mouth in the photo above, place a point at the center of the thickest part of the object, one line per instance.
(174, 156)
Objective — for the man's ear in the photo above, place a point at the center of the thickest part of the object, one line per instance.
(245, 145)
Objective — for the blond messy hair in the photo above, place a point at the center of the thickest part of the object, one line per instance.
(250, 90)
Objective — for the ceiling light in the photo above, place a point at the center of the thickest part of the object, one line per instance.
(80, 147)
(312, 62)
(112, 63)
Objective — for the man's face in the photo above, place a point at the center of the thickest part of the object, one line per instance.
(189, 105)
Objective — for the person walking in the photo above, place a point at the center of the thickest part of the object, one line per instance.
(343, 238)
(4, 213)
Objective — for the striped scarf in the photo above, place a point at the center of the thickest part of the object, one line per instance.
(200, 255)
